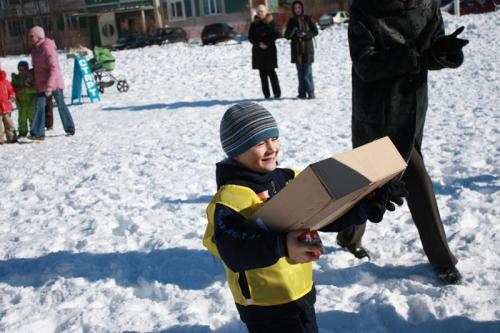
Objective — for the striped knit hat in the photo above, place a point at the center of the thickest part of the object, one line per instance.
(244, 125)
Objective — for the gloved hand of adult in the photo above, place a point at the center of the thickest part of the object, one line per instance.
(396, 192)
(384, 199)
(301, 34)
(449, 44)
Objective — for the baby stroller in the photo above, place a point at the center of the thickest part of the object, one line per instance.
(102, 65)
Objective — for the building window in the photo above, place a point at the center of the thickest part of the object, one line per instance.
(212, 7)
(65, 22)
(16, 28)
(176, 10)
(42, 22)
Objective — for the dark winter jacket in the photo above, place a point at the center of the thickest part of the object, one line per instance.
(264, 31)
(301, 30)
(263, 248)
(390, 45)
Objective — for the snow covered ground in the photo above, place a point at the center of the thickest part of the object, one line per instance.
(101, 232)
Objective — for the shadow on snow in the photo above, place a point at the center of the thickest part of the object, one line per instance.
(186, 104)
(374, 318)
(203, 199)
(368, 273)
(485, 184)
(189, 269)
(371, 317)
(235, 325)
(197, 269)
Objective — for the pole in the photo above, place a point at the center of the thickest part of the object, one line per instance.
(158, 17)
(143, 22)
(456, 5)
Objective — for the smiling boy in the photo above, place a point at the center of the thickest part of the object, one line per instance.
(269, 273)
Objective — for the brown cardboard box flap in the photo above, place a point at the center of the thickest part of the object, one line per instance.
(326, 190)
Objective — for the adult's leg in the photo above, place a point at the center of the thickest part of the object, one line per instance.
(308, 79)
(264, 82)
(49, 113)
(302, 85)
(350, 237)
(38, 126)
(425, 212)
(66, 119)
(275, 83)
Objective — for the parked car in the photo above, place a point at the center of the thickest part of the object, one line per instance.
(169, 35)
(471, 7)
(332, 18)
(215, 33)
(131, 42)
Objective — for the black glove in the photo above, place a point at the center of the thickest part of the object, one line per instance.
(396, 192)
(449, 44)
(384, 199)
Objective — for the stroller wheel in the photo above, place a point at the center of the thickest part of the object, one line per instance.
(122, 86)
(101, 89)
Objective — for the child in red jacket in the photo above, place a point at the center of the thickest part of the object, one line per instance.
(7, 95)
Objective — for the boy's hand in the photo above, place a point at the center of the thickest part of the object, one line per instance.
(300, 251)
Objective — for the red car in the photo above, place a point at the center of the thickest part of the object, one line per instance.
(472, 6)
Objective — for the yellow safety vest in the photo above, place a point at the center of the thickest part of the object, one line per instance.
(280, 283)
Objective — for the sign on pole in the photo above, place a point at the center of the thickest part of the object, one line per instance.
(82, 72)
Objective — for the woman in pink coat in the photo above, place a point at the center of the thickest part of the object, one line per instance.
(7, 95)
(48, 82)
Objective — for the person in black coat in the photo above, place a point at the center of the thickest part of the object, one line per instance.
(301, 29)
(262, 34)
(393, 44)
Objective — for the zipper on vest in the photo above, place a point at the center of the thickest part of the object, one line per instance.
(273, 188)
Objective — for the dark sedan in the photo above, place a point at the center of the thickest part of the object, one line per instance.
(131, 42)
(215, 33)
(169, 35)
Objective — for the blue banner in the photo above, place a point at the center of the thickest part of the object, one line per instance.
(82, 72)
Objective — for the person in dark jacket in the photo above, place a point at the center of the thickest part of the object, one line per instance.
(301, 29)
(393, 44)
(262, 34)
(269, 273)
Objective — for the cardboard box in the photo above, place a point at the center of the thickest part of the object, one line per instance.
(326, 190)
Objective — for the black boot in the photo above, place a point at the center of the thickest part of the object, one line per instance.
(358, 251)
(449, 275)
